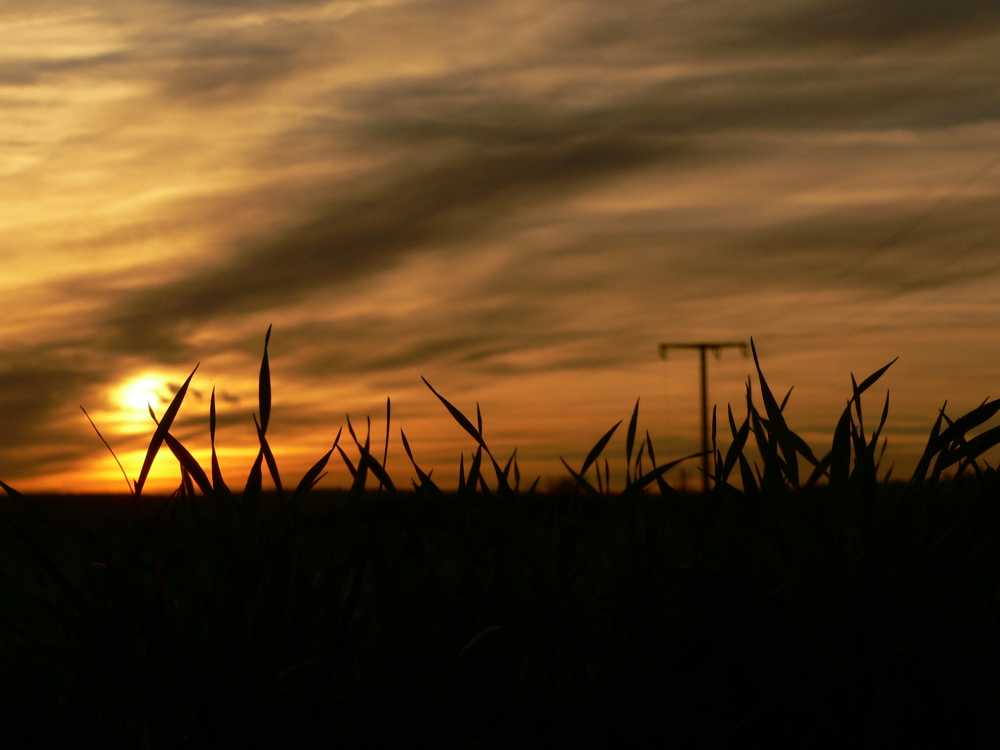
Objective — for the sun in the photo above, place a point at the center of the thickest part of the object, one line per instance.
(135, 394)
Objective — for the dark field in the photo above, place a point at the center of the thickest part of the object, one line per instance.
(805, 601)
(801, 619)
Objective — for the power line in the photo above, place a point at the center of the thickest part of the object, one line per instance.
(703, 348)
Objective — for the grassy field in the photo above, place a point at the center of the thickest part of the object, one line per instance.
(806, 601)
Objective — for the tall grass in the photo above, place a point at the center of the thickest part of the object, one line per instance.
(784, 461)
(238, 613)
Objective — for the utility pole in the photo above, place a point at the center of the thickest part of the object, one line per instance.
(703, 348)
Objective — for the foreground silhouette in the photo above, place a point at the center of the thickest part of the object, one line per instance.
(811, 602)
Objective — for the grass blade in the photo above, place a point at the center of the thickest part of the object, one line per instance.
(840, 451)
(819, 470)
(659, 471)
(920, 473)
(598, 448)
(264, 385)
(162, 429)
(582, 481)
(310, 478)
(974, 448)
(110, 450)
(661, 483)
(361, 478)
(218, 483)
(630, 440)
(189, 466)
(474, 469)
(385, 450)
(736, 447)
(255, 479)
(458, 416)
(784, 401)
(349, 464)
(425, 479)
(372, 464)
(272, 465)
(510, 462)
(874, 377)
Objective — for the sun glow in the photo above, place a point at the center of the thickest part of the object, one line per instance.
(135, 395)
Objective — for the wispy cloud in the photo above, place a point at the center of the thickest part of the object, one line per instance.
(503, 191)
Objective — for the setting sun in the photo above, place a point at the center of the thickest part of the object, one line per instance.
(136, 394)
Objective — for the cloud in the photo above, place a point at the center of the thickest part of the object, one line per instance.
(498, 190)
(864, 25)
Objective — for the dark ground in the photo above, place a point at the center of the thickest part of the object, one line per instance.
(805, 620)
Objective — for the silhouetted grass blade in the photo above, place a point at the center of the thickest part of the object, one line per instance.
(110, 450)
(857, 406)
(264, 385)
(637, 468)
(474, 469)
(975, 447)
(778, 428)
(462, 420)
(425, 478)
(736, 447)
(784, 401)
(920, 472)
(218, 483)
(385, 450)
(10, 490)
(378, 470)
(582, 481)
(630, 440)
(255, 479)
(189, 465)
(659, 471)
(366, 460)
(881, 454)
(161, 429)
(598, 448)
(874, 377)
(186, 485)
(819, 470)
(361, 477)
(349, 464)
(502, 485)
(873, 443)
(272, 465)
(968, 421)
(661, 483)
(507, 466)
(840, 452)
(312, 476)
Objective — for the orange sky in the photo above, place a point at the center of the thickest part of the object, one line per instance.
(518, 200)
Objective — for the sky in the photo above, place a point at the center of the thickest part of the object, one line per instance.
(517, 200)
